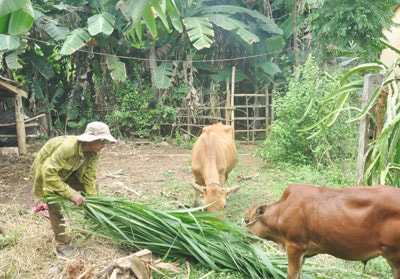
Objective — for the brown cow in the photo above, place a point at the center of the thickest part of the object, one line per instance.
(214, 155)
(357, 223)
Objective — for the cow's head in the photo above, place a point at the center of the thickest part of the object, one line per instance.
(261, 222)
(253, 222)
(215, 196)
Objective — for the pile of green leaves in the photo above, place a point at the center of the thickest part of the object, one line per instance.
(187, 233)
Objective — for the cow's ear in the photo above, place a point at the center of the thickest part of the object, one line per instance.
(197, 187)
(232, 189)
(260, 210)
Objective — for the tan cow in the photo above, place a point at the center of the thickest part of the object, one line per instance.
(357, 223)
(214, 155)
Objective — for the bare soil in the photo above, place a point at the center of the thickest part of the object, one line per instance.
(136, 167)
(141, 171)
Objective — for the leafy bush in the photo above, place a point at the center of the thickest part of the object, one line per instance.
(137, 112)
(298, 108)
(336, 21)
(381, 161)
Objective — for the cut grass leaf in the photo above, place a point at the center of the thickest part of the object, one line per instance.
(195, 235)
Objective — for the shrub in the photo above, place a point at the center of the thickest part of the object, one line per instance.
(137, 112)
(298, 108)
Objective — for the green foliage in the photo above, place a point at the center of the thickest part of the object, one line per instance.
(82, 110)
(136, 112)
(163, 74)
(52, 102)
(183, 141)
(330, 267)
(16, 17)
(299, 107)
(9, 239)
(77, 125)
(343, 27)
(176, 94)
(382, 161)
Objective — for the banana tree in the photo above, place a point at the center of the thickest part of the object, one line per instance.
(66, 37)
(16, 18)
(212, 30)
(135, 19)
(57, 56)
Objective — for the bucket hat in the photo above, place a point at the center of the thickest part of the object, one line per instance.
(95, 131)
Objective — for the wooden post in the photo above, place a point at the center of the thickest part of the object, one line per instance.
(266, 110)
(247, 117)
(233, 99)
(189, 115)
(20, 125)
(271, 101)
(228, 104)
(371, 82)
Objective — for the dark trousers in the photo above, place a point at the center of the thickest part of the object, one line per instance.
(57, 219)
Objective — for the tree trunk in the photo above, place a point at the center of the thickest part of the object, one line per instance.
(153, 66)
(295, 35)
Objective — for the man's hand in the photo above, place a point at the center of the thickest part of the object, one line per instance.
(78, 199)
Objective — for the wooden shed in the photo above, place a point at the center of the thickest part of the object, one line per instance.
(17, 126)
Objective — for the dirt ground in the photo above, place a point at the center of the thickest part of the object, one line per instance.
(142, 171)
(137, 167)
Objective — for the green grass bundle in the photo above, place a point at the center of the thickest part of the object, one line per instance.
(187, 233)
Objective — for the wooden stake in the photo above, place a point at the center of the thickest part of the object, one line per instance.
(233, 99)
(228, 104)
(371, 82)
(20, 125)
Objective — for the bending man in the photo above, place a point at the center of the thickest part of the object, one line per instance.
(66, 165)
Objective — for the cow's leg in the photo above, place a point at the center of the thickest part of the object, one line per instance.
(295, 260)
(197, 190)
(395, 269)
(394, 262)
(196, 198)
(391, 249)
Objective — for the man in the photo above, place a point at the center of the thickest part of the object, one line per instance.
(66, 166)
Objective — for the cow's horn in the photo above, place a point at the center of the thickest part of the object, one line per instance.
(198, 187)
